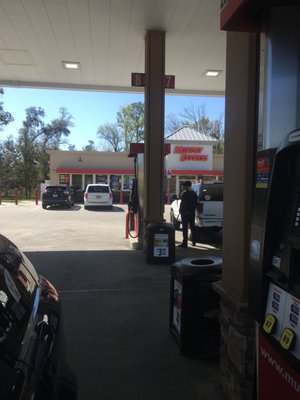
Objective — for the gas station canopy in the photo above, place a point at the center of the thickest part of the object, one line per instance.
(103, 43)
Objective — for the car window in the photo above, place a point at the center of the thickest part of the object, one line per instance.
(51, 189)
(18, 291)
(212, 192)
(98, 189)
(16, 305)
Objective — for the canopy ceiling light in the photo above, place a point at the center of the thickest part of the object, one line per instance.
(71, 65)
(213, 73)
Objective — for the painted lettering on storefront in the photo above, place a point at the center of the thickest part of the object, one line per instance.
(193, 157)
(190, 153)
(182, 149)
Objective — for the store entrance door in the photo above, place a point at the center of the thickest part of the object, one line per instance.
(77, 180)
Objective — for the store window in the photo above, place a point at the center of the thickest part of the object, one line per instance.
(116, 182)
(77, 181)
(101, 179)
(87, 180)
(64, 179)
(128, 182)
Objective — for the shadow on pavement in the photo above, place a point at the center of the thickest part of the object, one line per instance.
(62, 208)
(105, 208)
(116, 311)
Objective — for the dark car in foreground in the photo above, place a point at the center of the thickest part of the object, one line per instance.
(58, 195)
(32, 362)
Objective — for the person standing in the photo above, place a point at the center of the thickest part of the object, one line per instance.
(187, 211)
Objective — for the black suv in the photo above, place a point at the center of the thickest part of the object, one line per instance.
(31, 341)
(58, 195)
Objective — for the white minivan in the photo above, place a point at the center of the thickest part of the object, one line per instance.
(97, 194)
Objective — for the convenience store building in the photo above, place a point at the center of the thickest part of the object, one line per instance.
(191, 155)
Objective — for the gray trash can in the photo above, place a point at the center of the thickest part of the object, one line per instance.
(161, 243)
(194, 306)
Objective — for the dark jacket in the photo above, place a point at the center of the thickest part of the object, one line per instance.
(188, 202)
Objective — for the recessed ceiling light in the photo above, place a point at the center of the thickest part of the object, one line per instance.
(71, 65)
(212, 72)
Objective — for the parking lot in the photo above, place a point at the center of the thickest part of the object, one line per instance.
(35, 229)
(116, 307)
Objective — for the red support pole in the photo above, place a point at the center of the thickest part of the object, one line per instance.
(121, 197)
(136, 223)
(36, 196)
(127, 224)
(16, 197)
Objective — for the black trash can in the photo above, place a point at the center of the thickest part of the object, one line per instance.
(161, 243)
(194, 306)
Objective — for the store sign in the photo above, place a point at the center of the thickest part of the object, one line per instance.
(190, 153)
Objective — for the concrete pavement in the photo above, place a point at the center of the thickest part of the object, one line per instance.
(116, 307)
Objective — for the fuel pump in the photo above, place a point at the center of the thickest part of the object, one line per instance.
(134, 208)
(274, 281)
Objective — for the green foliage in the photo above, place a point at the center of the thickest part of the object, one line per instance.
(90, 147)
(128, 128)
(24, 162)
(5, 117)
(130, 120)
(71, 147)
(9, 164)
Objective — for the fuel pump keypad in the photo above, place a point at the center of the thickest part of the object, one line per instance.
(282, 319)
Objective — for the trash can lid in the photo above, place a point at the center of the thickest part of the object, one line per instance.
(160, 224)
(199, 266)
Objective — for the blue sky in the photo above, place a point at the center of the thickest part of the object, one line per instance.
(90, 109)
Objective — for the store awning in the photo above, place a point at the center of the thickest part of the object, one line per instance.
(95, 171)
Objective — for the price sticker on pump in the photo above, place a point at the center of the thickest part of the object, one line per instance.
(287, 339)
(161, 245)
(270, 323)
(291, 322)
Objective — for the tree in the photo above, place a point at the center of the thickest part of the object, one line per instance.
(172, 124)
(55, 133)
(130, 120)
(9, 164)
(110, 134)
(195, 117)
(90, 147)
(34, 137)
(71, 147)
(5, 117)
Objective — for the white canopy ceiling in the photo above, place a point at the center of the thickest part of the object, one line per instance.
(107, 38)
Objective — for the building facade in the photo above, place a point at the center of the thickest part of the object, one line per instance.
(191, 156)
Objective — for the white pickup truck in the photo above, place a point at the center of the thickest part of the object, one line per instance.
(209, 212)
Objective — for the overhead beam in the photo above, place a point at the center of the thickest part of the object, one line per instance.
(108, 89)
